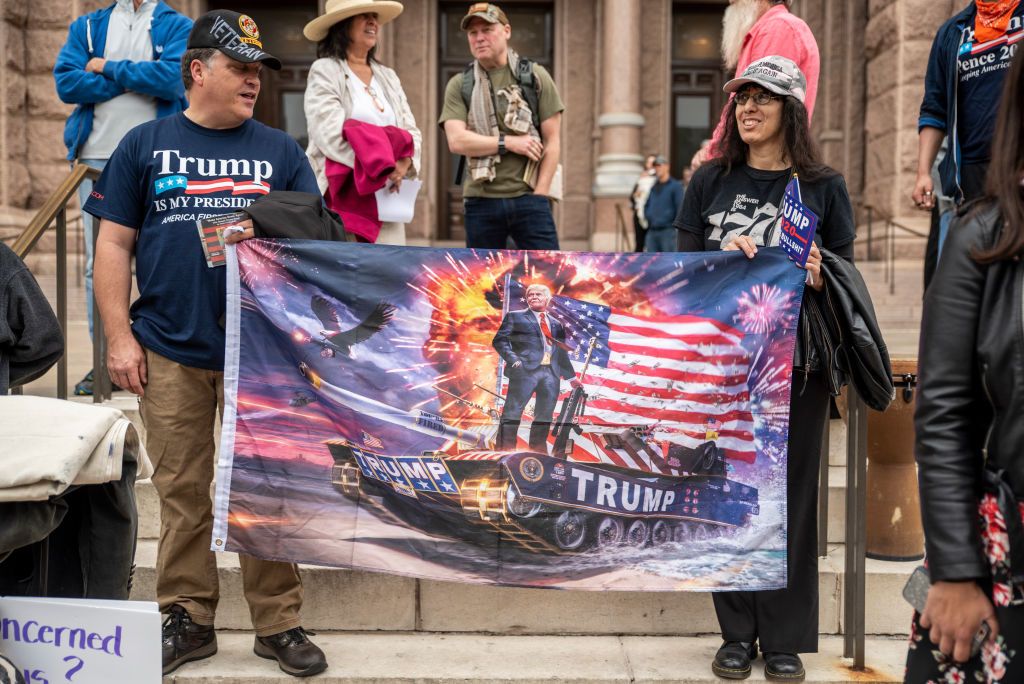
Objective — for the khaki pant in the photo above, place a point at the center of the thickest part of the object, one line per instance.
(178, 410)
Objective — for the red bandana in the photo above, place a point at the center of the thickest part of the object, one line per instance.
(993, 18)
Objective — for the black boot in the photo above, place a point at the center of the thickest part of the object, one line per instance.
(293, 651)
(184, 640)
(733, 660)
(783, 667)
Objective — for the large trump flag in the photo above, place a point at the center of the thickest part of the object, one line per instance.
(555, 419)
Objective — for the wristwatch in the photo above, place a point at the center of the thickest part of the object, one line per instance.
(501, 144)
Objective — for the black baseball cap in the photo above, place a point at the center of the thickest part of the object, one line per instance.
(234, 34)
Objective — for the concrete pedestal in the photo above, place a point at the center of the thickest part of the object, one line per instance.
(894, 530)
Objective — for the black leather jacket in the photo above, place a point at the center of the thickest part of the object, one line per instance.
(970, 404)
(839, 334)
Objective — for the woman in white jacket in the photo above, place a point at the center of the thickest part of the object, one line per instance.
(347, 82)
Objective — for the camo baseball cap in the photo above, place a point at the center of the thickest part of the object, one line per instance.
(777, 74)
(487, 11)
(234, 34)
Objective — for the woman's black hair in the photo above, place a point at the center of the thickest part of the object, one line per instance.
(1006, 170)
(800, 147)
(337, 42)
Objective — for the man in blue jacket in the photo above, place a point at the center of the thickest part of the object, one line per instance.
(121, 66)
(663, 204)
(969, 60)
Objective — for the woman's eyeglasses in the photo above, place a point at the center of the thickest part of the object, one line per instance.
(373, 96)
(761, 98)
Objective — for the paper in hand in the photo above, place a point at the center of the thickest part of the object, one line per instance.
(398, 207)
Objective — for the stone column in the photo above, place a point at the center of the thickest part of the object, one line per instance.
(46, 32)
(15, 183)
(620, 122)
(899, 36)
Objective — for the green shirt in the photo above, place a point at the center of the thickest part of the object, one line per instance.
(508, 179)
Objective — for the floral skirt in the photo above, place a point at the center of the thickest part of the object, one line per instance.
(996, 661)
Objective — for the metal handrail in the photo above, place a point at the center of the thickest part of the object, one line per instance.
(55, 208)
(621, 230)
(854, 587)
(54, 204)
(854, 591)
(889, 238)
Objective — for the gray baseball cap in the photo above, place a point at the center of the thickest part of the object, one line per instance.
(777, 74)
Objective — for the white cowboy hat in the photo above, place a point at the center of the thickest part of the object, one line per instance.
(339, 10)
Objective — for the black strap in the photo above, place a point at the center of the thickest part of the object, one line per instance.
(524, 75)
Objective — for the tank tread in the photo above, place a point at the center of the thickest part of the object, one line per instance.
(519, 536)
(353, 491)
(484, 504)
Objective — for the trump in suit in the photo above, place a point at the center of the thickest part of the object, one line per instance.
(532, 343)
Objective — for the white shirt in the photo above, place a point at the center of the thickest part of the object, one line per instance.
(372, 109)
(128, 37)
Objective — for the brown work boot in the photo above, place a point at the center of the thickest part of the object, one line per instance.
(293, 651)
(184, 640)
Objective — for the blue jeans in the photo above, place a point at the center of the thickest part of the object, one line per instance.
(660, 239)
(84, 190)
(527, 219)
(945, 220)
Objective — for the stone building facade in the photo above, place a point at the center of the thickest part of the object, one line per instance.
(637, 76)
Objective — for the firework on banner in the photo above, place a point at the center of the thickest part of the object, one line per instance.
(764, 308)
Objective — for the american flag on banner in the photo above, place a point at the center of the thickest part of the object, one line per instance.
(206, 187)
(371, 441)
(683, 378)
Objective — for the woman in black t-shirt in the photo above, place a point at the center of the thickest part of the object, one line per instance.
(733, 203)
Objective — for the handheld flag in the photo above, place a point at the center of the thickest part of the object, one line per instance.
(798, 224)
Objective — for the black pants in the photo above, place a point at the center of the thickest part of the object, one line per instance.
(91, 540)
(542, 381)
(786, 620)
(972, 183)
(639, 233)
(931, 247)
(972, 180)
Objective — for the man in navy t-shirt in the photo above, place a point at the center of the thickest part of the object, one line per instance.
(169, 346)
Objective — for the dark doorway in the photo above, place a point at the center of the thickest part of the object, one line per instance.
(281, 92)
(697, 78)
(532, 36)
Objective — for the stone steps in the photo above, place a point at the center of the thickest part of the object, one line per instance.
(350, 600)
(403, 658)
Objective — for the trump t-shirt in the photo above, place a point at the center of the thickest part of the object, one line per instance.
(163, 177)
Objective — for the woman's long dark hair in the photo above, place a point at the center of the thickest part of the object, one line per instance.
(1005, 172)
(800, 147)
(337, 42)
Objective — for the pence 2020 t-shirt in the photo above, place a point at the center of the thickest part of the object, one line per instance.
(163, 177)
(981, 71)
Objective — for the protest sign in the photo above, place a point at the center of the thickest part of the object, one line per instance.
(84, 641)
